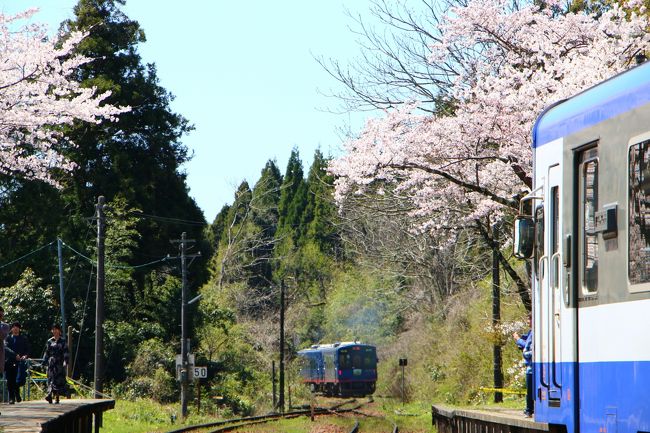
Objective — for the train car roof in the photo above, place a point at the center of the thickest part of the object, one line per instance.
(333, 346)
(621, 93)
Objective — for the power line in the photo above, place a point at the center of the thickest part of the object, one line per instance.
(27, 255)
(94, 262)
(169, 219)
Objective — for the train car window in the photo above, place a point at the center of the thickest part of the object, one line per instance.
(555, 236)
(329, 361)
(369, 360)
(639, 213)
(589, 203)
(345, 360)
(366, 358)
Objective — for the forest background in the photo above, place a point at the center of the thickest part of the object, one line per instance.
(395, 250)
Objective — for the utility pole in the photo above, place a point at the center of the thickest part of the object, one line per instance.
(275, 398)
(59, 243)
(281, 399)
(185, 370)
(99, 304)
(496, 317)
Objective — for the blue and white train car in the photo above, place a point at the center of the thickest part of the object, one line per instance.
(588, 235)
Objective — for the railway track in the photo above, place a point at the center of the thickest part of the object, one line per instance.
(237, 423)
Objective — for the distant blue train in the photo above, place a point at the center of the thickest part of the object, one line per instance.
(347, 369)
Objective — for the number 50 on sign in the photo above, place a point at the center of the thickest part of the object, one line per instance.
(199, 372)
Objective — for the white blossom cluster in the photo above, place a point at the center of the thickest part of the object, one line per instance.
(38, 95)
(511, 63)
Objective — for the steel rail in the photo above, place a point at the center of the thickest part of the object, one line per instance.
(234, 423)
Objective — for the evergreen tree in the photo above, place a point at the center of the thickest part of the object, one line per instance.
(293, 198)
(139, 157)
(266, 198)
(320, 214)
(216, 228)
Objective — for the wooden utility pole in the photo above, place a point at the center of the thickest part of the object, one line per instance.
(185, 368)
(61, 288)
(281, 399)
(70, 371)
(99, 303)
(275, 394)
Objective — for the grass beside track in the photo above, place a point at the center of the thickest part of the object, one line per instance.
(145, 416)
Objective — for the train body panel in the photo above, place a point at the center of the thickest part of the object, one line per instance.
(591, 262)
(340, 369)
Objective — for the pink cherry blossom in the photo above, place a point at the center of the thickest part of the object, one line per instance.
(512, 64)
(38, 95)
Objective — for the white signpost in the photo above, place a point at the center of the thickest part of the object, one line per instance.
(190, 366)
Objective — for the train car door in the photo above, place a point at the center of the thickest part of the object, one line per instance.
(587, 260)
(551, 293)
(555, 318)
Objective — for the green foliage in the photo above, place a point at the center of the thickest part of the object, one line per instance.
(143, 415)
(222, 339)
(159, 307)
(363, 306)
(320, 215)
(34, 305)
(121, 242)
(293, 198)
(151, 373)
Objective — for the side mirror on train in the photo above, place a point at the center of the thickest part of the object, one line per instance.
(524, 237)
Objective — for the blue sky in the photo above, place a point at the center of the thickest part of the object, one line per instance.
(243, 72)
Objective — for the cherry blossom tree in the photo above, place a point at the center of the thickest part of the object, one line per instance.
(474, 160)
(466, 162)
(39, 96)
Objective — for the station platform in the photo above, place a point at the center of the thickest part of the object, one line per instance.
(38, 416)
(448, 419)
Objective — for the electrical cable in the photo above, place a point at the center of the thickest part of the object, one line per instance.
(169, 219)
(94, 262)
(83, 317)
(27, 255)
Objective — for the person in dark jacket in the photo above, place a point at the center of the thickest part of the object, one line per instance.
(525, 343)
(56, 359)
(16, 354)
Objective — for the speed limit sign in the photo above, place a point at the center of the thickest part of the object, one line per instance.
(199, 372)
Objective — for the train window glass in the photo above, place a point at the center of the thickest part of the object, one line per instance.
(363, 359)
(589, 190)
(369, 360)
(555, 221)
(329, 362)
(345, 360)
(555, 237)
(639, 213)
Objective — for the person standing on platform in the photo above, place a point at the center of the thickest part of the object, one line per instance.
(56, 359)
(525, 343)
(16, 353)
